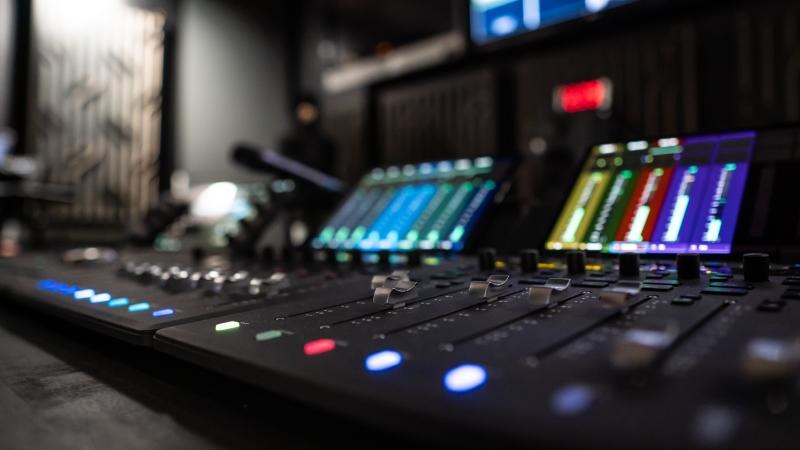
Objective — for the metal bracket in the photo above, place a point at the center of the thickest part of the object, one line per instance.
(540, 295)
(490, 288)
(618, 294)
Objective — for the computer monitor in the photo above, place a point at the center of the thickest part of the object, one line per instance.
(670, 195)
(491, 20)
(428, 206)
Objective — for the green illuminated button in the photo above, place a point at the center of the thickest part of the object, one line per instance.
(226, 326)
(269, 335)
(144, 306)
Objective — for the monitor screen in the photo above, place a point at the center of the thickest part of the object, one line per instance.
(494, 19)
(428, 206)
(671, 195)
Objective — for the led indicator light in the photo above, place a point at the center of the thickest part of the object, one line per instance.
(465, 377)
(139, 307)
(83, 294)
(227, 326)
(163, 312)
(269, 335)
(47, 285)
(117, 302)
(319, 346)
(100, 298)
(66, 291)
(383, 360)
(583, 96)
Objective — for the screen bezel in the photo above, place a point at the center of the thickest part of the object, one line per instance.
(587, 23)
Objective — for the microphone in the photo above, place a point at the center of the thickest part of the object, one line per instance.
(269, 161)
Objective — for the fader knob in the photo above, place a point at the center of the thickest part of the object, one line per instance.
(529, 260)
(629, 265)
(486, 259)
(688, 266)
(755, 267)
(576, 262)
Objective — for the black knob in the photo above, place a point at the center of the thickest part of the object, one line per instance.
(267, 255)
(330, 256)
(384, 258)
(629, 265)
(529, 260)
(308, 255)
(414, 258)
(198, 254)
(688, 266)
(576, 262)
(486, 258)
(356, 259)
(755, 267)
(287, 254)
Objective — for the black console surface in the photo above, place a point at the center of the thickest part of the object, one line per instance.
(508, 366)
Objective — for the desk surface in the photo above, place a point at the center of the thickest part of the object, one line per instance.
(62, 387)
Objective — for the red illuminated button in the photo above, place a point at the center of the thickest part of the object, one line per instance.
(319, 346)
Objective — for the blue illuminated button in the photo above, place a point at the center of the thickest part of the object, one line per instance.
(163, 312)
(100, 298)
(67, 291)
(465, 377)
(383, 360)
(117, 302)
(83, 294)
(136, 307)
(572, 399)
(47, 285)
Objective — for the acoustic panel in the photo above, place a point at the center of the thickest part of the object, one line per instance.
(98, 69)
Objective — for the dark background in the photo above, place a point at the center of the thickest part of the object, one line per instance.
(234, 68)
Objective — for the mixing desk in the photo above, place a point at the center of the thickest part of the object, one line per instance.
(666, 329)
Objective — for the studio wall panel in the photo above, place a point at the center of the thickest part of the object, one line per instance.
(6, 55)
(96, 112)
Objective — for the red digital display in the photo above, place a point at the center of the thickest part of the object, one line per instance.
(591, 95)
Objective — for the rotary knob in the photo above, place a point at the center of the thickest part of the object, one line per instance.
(688, 266)
(486, 259)
(529, 260)
(576, 262)
(755, 267)
(629, 265)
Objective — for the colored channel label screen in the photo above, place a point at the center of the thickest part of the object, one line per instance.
(672, 195)
(428, 206)
(495, 19)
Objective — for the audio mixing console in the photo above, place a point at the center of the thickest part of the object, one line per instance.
(649, 340)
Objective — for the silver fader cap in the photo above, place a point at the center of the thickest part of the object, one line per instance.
(379, 280)
(619, 293)
(639, 348)
(395, 292)
(541, 295)
(271, 285)
(768, 359)
(489, 289)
